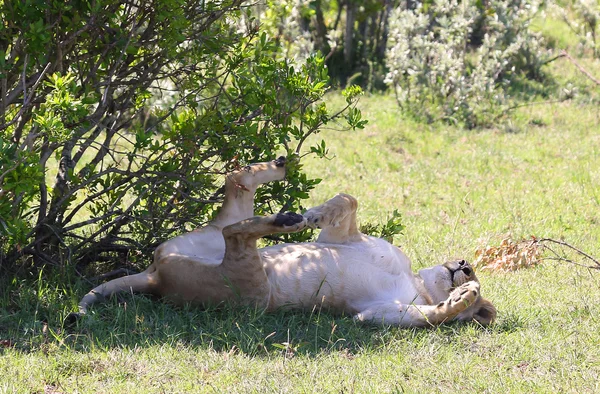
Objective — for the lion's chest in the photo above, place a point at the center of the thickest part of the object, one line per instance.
(341, 277)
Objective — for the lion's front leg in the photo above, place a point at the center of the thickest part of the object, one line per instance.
(242, 267)
(337, 219)
(422, 315)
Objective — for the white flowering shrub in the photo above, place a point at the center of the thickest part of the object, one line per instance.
(583, 17)
(454, 60)
(285, 20)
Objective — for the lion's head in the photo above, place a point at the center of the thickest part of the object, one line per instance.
(441, 279)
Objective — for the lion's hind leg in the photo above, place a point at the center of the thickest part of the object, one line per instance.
(144, 282)
(337, 219)
(422, 315)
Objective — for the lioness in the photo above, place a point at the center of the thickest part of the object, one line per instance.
(344, 270)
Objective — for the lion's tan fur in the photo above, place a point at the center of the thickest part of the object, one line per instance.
(344, 270)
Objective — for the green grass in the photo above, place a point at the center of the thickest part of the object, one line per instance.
(457, 190)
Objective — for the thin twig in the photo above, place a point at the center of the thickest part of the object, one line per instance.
(27, 100)
(532, 103)
(560, 55)
(565, 259)
(563, 243)
(25, 80)
(312, 130)
(18, 163)
(583, 70)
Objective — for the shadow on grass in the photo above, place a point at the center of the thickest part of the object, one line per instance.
(32, 324)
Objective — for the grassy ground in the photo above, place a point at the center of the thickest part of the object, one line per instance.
(458, 191)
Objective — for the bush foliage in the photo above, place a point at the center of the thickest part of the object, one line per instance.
(451, 60)
(583, 18)
(119, 118)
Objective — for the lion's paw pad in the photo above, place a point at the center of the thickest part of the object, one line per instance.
(465, 293)
(288, 219)
(72, 318)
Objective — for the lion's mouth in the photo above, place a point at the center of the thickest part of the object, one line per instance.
(461, 274)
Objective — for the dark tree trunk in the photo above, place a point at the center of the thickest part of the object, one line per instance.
(385, 30)
(349, 35)
(321, 30)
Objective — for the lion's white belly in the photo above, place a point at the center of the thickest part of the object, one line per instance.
(206, 246)
(345, 277)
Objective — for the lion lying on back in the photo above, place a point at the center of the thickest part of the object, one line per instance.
(344, 270)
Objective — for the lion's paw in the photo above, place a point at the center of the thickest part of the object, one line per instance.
(326, 215)
(72, 318)
(461, 298)
(362, 317)
(465, 293)
(289, 219)
(316, 219)
(332, 212)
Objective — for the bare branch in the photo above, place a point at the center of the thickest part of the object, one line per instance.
(543, 242)
(26, 99)
(583, 70)
(113, 273)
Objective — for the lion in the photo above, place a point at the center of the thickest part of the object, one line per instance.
(343, 271)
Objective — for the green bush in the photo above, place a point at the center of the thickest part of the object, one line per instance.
(118, 120)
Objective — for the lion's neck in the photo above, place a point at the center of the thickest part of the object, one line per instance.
(238, 204)
(430, 284)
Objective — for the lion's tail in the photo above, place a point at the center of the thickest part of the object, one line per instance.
(138, 283)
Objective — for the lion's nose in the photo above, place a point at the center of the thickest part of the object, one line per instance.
(280, 162)
(465, 267)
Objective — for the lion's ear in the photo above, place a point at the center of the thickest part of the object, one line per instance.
(485, 313)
